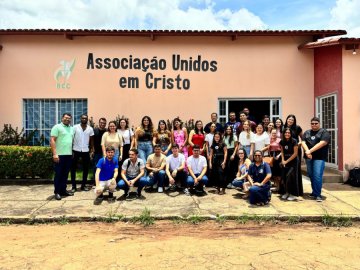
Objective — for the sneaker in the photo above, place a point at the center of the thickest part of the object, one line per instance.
(139, 196)
(172, 188)
(84, 188)
(319, 199)
(311, 196)
(230, 186)
(73, 189)
(160, 190)
(291, 198)
(285, 196)
(155, 186)
(187, 192)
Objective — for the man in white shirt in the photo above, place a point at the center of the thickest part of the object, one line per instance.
(83, 143)
(175, 165)
(197, 167)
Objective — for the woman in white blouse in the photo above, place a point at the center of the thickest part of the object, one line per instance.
(128, 137)
(261, 139)
(247, 139)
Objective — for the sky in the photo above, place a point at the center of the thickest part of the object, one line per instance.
(182, 15)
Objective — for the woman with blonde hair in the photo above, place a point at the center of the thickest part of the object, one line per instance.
(247, 139)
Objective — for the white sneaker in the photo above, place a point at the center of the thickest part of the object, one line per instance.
(284, 197)
(160, 190)
(319, 199)
(291, 198)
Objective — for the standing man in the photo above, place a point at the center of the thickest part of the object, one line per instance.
(82, 145)
(61, 146)
(105, 176)
(243, 117)
(250, 117)
(98, 133)
(175, 165)
(132, 174)
(214, 120)
(259, 175)
(197, 167)
(232, 122)
(155, 166)
(315, 142)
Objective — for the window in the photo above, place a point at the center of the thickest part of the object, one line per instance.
(43, 114)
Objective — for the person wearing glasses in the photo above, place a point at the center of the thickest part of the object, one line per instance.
(259, 175)
(316, 146)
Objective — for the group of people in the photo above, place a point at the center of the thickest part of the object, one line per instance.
(241, 154)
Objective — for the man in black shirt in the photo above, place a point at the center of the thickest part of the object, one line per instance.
(98, 132)
(315, 142)
(214, 119)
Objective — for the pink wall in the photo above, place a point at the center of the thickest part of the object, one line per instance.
(328, 80)
(351, 109)
(249, 67)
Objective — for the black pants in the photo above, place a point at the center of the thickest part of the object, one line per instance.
(85, 157)
(217, 173)
(231, 166)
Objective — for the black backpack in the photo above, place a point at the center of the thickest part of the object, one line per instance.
(354, 177)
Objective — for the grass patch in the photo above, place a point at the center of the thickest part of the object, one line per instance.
(63, 220)
(220, 219)
(177, 220)
(333, 221)
(195, 219)
(243, 219)
(145, 218)
(5, 222)
(260, 219)
(292, 220)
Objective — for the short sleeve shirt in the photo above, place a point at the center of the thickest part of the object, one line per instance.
(261, 141)
(126, 134)
(258, 173)
(107, 168)
(233, 142)
(209, 138)
(133, 169)
(288, 148)
(156, 161)
(196, 164)
(244, 140)
(114, 140)
(175, 162)
(311, 138)
(82, 138)
(64, 139)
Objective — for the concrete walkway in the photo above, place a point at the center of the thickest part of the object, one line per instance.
(21, 203)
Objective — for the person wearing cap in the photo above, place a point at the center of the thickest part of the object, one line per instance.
(197, 167)
(315, 142)
(175, 168)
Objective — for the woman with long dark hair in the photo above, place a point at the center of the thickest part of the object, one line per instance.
(296, 133)
(217, 162)
(197, 136)
(279, 126)
(289, 150)
(162, 136)
(144, 137)
(241, 176)
(180, 137)
(232, 145)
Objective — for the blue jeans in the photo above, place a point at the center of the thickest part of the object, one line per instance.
(315, 171)
(238, 183)
(247, 149)
(140, 184)
(190, 181)
(62, 169)
(259, 194)
(145, 149)
(157, 178)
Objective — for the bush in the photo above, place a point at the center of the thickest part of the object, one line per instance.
(25, 161)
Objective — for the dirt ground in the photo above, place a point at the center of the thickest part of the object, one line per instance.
(169, 245)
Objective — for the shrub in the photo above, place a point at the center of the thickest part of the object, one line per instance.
(25, 161)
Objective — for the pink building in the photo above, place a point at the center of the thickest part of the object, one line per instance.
(190, 74)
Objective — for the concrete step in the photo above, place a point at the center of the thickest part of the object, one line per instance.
(330, 175)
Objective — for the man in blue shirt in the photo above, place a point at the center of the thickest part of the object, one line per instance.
(106, 173)
(259, 176)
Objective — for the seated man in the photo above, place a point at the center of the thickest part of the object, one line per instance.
(197, 167)
(132, 174)
(106, 173)
(259, 176)
(155, 165)
(175, 165)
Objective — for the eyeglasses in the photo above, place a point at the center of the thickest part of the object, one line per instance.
(257, 155)
(315, 123)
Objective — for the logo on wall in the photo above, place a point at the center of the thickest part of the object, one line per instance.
(63, 73)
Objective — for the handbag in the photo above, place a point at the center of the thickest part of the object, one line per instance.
(269, 160)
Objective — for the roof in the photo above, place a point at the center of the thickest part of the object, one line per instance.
(69, 33)
(331, 42)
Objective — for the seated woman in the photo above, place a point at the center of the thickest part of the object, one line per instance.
(162, 136)
(259, 176)
(241, 176)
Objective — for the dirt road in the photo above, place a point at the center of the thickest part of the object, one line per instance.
(168, 245)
